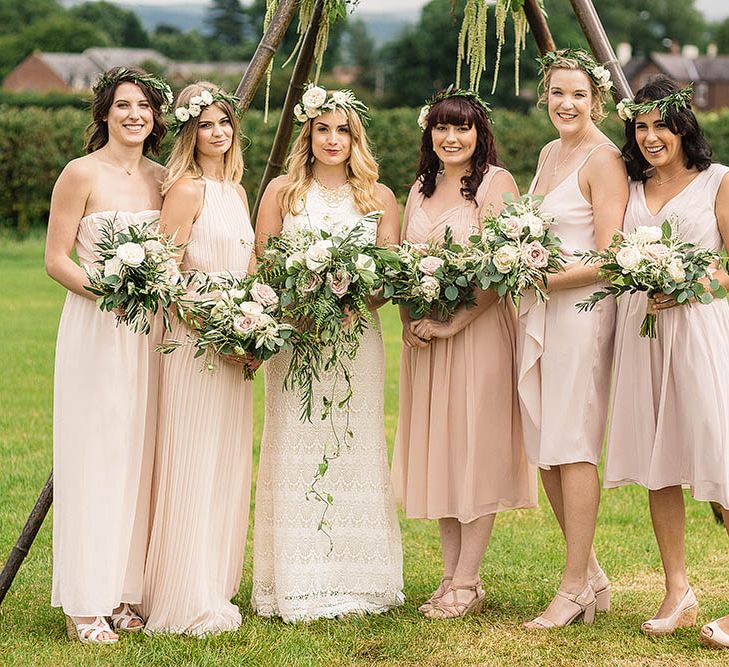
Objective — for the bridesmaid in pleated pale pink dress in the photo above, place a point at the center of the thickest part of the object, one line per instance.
(105, 384)
(458, 455)
(669, 424)
(202, 474)
(564, 355)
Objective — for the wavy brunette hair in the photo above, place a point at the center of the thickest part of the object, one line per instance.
(361, 168)
(679, 121)
(182, 160)
(458, 111)
(98, 130)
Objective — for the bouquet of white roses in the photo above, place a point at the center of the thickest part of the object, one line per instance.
(136, 274)
(432, 278)
(517, 249)
(654, 259)
(324, 280)
(234, 315)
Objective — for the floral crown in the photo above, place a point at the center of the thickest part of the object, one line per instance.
(451, 91)
(198, 102)
(120, 74)
(680, 99)
(600, 75)
(315, 101)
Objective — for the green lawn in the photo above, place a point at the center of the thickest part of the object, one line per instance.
(520, 572)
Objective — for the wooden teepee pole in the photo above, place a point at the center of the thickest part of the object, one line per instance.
(265, 51)
(30, 530)
(539, 27)
(285, 128)
(600, 44)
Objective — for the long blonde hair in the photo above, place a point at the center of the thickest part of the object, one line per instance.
(361, 168)
(182, 160)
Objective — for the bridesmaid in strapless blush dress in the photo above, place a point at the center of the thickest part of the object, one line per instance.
(564, 355)
(669, 424)
(105, 385)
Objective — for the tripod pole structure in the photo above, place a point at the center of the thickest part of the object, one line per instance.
(265, 51)
(30, 530)
(600, 44)
(539, 27)
(285, 129)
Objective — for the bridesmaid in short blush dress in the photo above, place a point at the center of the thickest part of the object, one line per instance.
(202, 475)
(564, 355)
(669, 425)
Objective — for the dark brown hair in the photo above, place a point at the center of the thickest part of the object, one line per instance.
(98, 130)
(457, 110)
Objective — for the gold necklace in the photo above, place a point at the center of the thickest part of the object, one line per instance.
(668, 180)
(569, 155)
(334, 196)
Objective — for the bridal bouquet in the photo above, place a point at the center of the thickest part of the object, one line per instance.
(654, 259)
(234, 315)
(136, 274)
(324, 280)
(517, 249)
(432, 278)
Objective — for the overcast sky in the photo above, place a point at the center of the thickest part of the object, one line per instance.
(713, 9)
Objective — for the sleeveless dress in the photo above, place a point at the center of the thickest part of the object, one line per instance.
(105, 406)
(294, 575)
(565, 356)
(202, 474)
(669, 422)
(458, 451)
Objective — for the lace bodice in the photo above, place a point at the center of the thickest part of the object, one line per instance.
(337, 218)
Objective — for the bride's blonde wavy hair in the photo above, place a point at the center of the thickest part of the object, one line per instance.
(182, 160)
(361, 168)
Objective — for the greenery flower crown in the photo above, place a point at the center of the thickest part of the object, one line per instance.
(680, 99)
(600, 75)
(451, 91)
(316, 101)
(198, 103)
(120, 74)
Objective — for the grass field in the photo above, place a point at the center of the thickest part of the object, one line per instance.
(520, 572)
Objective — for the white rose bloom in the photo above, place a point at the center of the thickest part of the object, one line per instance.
(364, 263)
(196, 100)
(675, 270)
(423, 117)
(505, 258)
(429, 287)
(154, 247)
(647, 234)
(624, 112)
(295, 258)
(207, 97)
(536, 226)
(131, 254)
(194, 110)
(657, 253)
(628, 257)
(314, 97)
(299, 114)
(182, 114)
(511, 227)
(251, 308)
(311, 112)
(112, 267)
(317, 256)
(340, 98)
(602, 74)
(237, 294)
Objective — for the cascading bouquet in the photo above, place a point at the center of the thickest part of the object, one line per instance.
(654, 259)
(517, 249)
(136, 274)
(324, 280)
(233, 315)
(432, 278)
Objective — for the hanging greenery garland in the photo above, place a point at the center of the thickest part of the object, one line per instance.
(472, 37)
(332, 10)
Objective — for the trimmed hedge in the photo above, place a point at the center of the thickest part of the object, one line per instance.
(36, 143)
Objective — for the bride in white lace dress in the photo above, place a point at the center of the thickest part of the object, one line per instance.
(331, 183)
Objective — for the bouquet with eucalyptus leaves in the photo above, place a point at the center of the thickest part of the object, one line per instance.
(654, 259)
(136, 274)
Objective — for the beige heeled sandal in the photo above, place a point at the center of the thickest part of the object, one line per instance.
(437, 594)
(88, 633)
(683, 616)
(585, 605)
(448, 606)
(122, 619)
(601, 585)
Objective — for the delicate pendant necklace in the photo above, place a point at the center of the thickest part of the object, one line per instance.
(569, 155)
(667, 180)
(334, 196)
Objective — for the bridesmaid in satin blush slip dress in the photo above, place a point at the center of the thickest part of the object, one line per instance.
(669, 422)
(564, 355)
(202, 473)
(105, 385)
